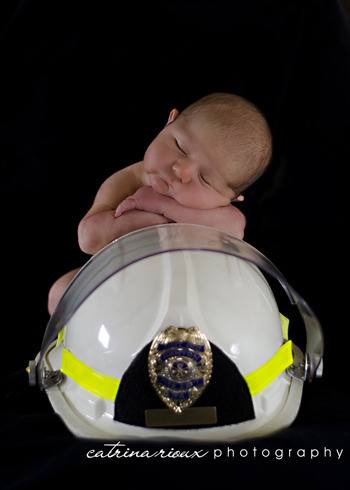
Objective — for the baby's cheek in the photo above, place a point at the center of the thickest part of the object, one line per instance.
(193, 197)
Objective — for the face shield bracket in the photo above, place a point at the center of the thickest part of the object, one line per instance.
(300, 368)
(51, 378)
(47, 378)
(31, 370)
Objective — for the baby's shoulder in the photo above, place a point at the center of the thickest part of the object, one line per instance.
(138, 171)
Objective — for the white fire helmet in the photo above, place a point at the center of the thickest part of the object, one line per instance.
(172, 332)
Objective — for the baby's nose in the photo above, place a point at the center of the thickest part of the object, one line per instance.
(184, 172)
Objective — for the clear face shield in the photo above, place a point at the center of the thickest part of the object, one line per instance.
(173, 332)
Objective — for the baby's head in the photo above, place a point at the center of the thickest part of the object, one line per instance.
(209, 154)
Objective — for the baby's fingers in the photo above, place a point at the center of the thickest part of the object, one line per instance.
(127, 205)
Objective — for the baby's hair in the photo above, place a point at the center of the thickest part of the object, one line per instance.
(242, 129)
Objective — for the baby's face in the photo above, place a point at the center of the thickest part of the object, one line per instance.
(184, 162)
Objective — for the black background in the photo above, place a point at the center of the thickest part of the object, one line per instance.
(84, 87)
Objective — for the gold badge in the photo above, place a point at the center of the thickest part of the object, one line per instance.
(180, 366)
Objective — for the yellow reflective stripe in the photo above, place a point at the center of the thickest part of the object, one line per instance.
(260, 378)
(107, 387)
(60, 337)
(97, 383)
(284, 325)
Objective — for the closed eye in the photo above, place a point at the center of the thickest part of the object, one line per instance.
(179, 147)
(204, 180)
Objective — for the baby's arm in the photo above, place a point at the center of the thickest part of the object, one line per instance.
(99, 226)
(117, 187)
(225, 218)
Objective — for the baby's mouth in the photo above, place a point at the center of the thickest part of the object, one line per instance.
(159, 185)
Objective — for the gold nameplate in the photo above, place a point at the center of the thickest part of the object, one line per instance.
(163, 417)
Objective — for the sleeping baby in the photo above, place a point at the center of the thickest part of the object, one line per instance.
(199, 163)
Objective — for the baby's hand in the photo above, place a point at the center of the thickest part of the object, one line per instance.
(127, 205)
(225, 218)
(145, 199)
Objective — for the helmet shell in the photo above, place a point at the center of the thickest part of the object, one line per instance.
(227, 298)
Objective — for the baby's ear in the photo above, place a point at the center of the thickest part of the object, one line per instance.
(172, 116)
(240, 197)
